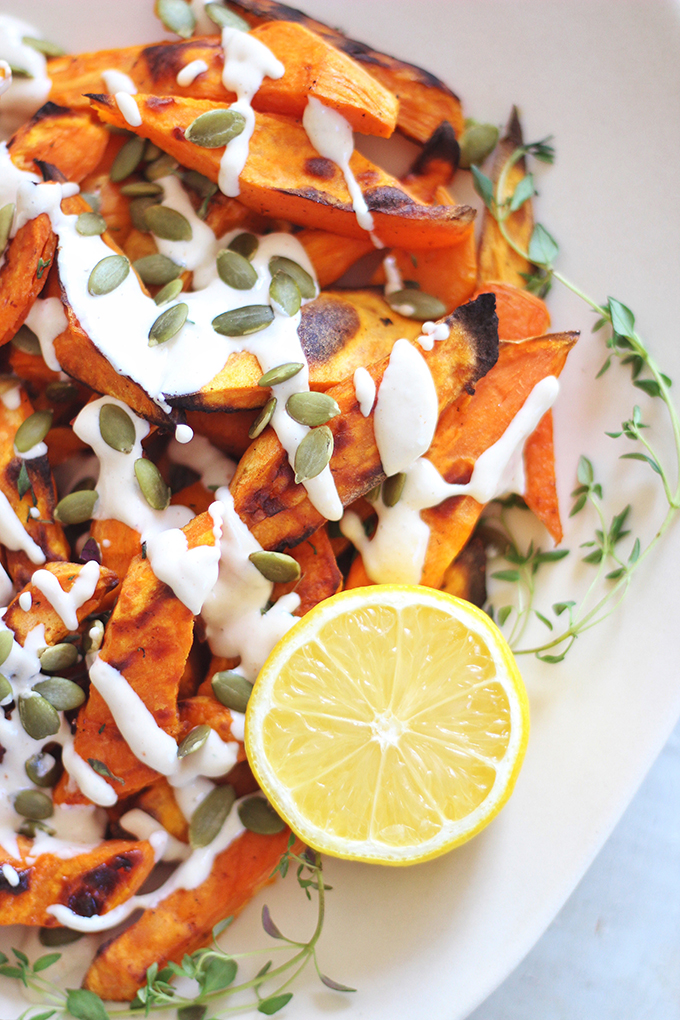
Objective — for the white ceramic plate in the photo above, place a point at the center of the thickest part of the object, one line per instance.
(603, 77)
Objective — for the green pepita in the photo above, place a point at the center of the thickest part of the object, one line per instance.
(58, 657)
(89, 224)
(177, 16)
(167, 223)
(30, 828)
(235, 270)
(154, 489)
(263, 419)
(6, 692)
(193, 741)
(305, 282)
(61, 391)
(157, 270)
(87, 482)
(224, 18)
(141, 189)
(280, 373)
(215, 128)
(6, 642)
(38, 717)
(210, 816)
(161, 167)
(168, 324)
(151, 152)
(108, 274)
(52, 937)
(6, 220)
(245, 244)
(231, 689)
(415, 304)
(76, 508)
(476, 143)
(19, 72)
(33, 804)
(117, 428)
(312, 409)
(61, 693)
(33, 430)
(93, 637)
(169, 292)
(258, 815)
(44, 46)
(138, 207)
(314, 453)
(203, 186)
(128, 159)
(285, 294)
(25, 340)
(280, 568)
(373, 494)
(43, 769)
(93, 200)
(243, 321)
(393, 488)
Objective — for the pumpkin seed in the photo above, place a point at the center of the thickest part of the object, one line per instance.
(6, 642)
(373, 494)
(89, 224)
(138, 207)
(476, 143)
(19, 72)
(93, 637)
(258, 815)
(43, 769)
(314, 453)
(61, 693)
(280, 373)
(141, 189)
(93, 200)
(393, 488)
(157, 269)
(151, 152)
(263, 419)
(38, 717)
(33, 804)
(198, 183)
(117, 428)
(32, 431)
(312, 408)
(224, 18)
(215, 128)
(108, 274)
(245, 244)
(285, 293)
(161, 167)
(242, 321)
(275, 566)
(415, 304)
(235, 270)
(169, 292)
(88, 482)
(168, 324)
(193, 741)
(51, 937)
(210, 816)
(231, 689)
(177, 17)
(6, 692)
(77, 507)
(128, 159)
(56, 657)
(61, 391)
(25, 340)
(30, 828)
(154, 489)
(6, 220)
(305, 282)
(168, 223)
(49, 49)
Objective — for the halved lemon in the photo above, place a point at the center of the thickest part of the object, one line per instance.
(389, 724)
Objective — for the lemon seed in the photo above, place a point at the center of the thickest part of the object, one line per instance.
(154, 489)
(56, 657)
(210, 816)
(231, 689)
(243, 321)
(215, 128)
(157, 269)
(193, 741)
(305, 282)
(259, 816)
(32, 431)
(33, 804)
(280, 373)
(312, 409)
(108, 274)
(38, 717)
(235, 270)
(263, 419)
(117, 428)
(314, 453)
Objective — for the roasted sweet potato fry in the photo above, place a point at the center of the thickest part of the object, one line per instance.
(521, 314)
(118, 544)
(70, 140)
(158, 800)
(332, 255)
(23, 274)
(320, 575)
(466, 576)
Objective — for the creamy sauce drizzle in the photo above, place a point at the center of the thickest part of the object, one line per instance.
(128, 107)
(364, 388)
(190, 72)
(66, 604)
(21, 97)
(118, 81)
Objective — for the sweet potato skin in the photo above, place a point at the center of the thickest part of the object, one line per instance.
(20, 278)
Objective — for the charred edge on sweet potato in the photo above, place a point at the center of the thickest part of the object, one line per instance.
(441, 147)
(165, 60)
(89, 896)
(326, 325)
(478, 318)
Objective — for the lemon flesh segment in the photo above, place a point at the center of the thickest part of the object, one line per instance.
(389, 724)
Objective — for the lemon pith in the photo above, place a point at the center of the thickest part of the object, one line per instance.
(389, 724)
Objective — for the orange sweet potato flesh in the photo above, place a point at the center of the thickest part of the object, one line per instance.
(313, 66)
(184, 921)
(118, 544)
(42, 611)
(205, 710)
(89, 883)
(31, 248)
(278, 512)
(320, 575)
(540, 494)
(332, 255)
(284, 176)
(158, 800)
(424, 101)
(449, 274)
(71, 140)
(228, 431)
(521, 314)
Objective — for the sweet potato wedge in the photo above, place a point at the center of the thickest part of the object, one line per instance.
(435, 166)
(23, 274)
(521, 314)
(71, 140)
(184, 921)
(90, 883)
(332, 255)
(284, 176)
(466, 576)
(118, 544)
(320, 575)
(228, 431)
(449, 274)
(158, 800)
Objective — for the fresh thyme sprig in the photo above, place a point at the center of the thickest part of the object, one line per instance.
(614, 571)
(212, 968)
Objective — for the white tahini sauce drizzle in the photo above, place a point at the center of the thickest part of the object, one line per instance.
(47, 319)
(433, 331)
(407, 409)
(191, 573)
(118, 81)
(247, 62)
(11, 397)
(66, 604)
(6, 587)
(128, 107)
(26, 601)
(14, 535)
(364, 388)
(23, 96)
(199, 454)
(184, 434)
(190, 72)
(331, 135)
(393, 280)
(396, 553)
